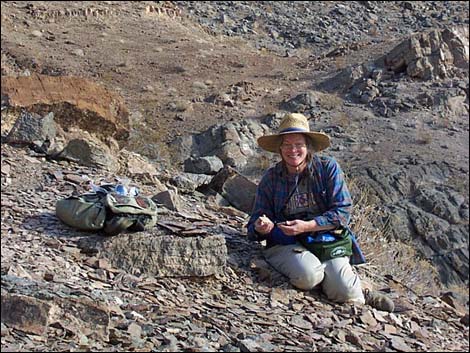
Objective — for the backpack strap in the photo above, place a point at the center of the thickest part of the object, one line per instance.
(117, 225)
(317, 171)
(317, 174)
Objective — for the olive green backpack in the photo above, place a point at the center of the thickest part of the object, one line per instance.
(110, 212)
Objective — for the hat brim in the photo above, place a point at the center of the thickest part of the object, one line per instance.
(271, 143)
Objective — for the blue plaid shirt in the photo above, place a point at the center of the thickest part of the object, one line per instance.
(334, 200)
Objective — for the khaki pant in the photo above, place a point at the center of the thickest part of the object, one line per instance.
(339, 281)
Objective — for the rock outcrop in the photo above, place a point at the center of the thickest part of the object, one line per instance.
(431, 55)
(77, 290)
(75, 102)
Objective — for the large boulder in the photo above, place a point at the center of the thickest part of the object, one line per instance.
(238, 190)
(32, 128)
(86, 149)
(234, 143)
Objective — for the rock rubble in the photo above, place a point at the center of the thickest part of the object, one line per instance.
(58, 294)
(212, 77)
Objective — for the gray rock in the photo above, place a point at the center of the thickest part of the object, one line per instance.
(232, 143)
(235, 188)
(169, 199)
(203, 165)
(31, 128)
(189, 182)
(161, 255)
(438, 203)
(89, 151)
(301, 102)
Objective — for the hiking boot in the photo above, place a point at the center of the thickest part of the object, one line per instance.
(116, 225)
(378, 301)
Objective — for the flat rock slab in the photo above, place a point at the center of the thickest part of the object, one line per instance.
(161, 255)
(31, 306)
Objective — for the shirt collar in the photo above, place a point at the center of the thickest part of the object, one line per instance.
(282, 172)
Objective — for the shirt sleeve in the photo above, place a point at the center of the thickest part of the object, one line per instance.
(277, 236)
(338, 199)
(263, 205)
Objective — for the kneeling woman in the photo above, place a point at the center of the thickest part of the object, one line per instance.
(302, 210)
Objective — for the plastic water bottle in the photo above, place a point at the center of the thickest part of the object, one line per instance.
(104, 188)
(327, 237)
(133, 191)
(94, 187)
(121, 190)
(321, 238)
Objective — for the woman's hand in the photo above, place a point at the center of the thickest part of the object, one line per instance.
(264, 225)
(297, 226)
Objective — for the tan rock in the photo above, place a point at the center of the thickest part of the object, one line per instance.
(76, 102)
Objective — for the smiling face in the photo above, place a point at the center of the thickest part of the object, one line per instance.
(294, 152)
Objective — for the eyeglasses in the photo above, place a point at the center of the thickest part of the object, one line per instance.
(295, 146)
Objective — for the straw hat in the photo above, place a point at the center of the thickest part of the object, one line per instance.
(294, 123)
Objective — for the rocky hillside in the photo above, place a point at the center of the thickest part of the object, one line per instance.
(172, 96)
